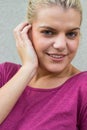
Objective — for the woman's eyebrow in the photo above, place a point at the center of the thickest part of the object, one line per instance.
(47, 27)
(77, 28)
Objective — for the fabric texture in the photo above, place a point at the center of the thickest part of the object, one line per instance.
(60, 108)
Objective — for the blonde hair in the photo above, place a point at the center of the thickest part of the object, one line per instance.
(33, 5)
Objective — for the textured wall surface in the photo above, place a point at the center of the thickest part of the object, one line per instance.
(12, 12)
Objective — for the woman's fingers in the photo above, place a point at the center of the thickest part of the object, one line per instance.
(25, 35)
(19, 31)
(21, 26)
(24, 44)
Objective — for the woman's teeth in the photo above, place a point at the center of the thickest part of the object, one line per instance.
(56, 56)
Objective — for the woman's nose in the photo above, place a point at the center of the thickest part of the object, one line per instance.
(60, 42)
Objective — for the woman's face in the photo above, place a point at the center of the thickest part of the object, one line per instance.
(55, 37)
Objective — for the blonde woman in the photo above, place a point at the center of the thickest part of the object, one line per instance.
(46, 92)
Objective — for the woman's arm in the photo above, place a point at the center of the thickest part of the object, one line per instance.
(11, 91)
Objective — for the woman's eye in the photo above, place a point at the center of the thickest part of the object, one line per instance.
(72, 35)
(47, 32)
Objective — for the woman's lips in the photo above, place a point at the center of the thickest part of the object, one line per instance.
(57, 57)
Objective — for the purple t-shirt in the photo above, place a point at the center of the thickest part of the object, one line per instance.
(60, 108)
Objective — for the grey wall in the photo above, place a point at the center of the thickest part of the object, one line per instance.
(12, 12)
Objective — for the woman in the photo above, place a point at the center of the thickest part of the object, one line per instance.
(46, 92)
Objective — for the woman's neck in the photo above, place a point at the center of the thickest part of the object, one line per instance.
(51, 80)
(68, 72)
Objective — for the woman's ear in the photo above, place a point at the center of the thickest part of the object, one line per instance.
(30, 33)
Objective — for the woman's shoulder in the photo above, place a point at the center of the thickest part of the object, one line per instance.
(78, 83)
(80, 80)
(81, 77)
(82, 98)
(7, 70)
(81, 84)
(5, 65)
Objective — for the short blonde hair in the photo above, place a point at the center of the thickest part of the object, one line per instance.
(33, 5)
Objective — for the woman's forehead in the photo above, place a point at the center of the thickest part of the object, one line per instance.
(58, 16)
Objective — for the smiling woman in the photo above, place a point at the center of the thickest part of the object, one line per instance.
(46, 92)
(56, 36)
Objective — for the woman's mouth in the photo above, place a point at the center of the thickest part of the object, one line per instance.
(56, 57)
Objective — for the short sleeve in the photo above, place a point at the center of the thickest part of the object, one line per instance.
(7, 71)
(83, 103)
(83, 125)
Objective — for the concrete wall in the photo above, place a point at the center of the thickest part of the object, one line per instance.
(12, 12)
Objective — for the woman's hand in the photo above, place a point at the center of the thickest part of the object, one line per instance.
(24, 45)
(12, 90)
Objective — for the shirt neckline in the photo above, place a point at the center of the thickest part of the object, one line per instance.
(58, 87)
